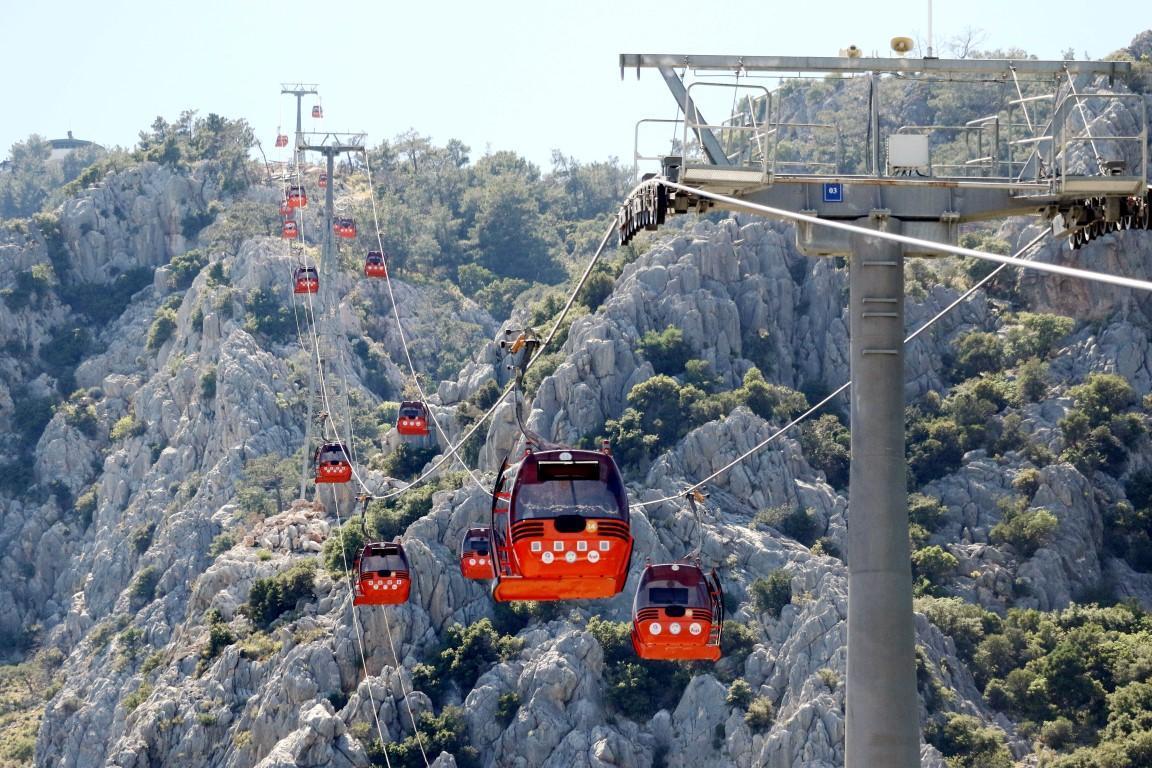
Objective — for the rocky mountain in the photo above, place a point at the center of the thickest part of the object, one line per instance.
(197, 609)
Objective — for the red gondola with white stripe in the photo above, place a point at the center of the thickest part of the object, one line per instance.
(412, 420)
(476, 554)
(678, 613)
(333, 464)
(560, 527)
(374, 265)
(382, 574)
(296, 196)
(305, 280)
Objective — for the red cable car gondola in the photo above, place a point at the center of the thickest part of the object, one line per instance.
(297, 196)
(560, 527)
(333, 464)
(678, 613)
(289, 229)
(323, 181)
(382, 574)
(476, 554)
(344, 227)
(374, 265)
(281, 140)
(317, 111)
(413, 419)
(306, 280)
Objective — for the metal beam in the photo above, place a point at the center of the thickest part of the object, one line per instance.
(985, 67)
(692, 116)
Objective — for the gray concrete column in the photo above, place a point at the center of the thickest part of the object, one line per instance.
(883, 729)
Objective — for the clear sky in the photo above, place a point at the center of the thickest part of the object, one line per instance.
(525, 75)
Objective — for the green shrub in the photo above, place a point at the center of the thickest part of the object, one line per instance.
(272, 597)
(965, 623)
(760, 715)
(1031, 380)
(926, 511)
(597, 288)
(666, 350)
(220, 636)
(827, 446)
(447, 732)
(208, 384)
(143, 587)
(104, 302)
(966, 743)
(1036, 335)
(796, 522)
(185, 266)
(770, 595)
(771, 402)
(85, 505)
(126, 426)
(931, 564)
(506, 708)
(974, 353)
(338, 560)
(737, 641)
(137, 697)
(739, 694)
(467, 653)
(635, 688)
(267, 316)
(407, 460)
(1026, 531)
(141, 537)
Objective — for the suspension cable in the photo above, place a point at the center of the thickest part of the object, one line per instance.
(452, 449)
(1059, 269)
(357, 629)
(771, 438)
(357, 624)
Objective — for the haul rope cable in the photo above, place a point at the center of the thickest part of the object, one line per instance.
(930, 245)
(329, 316)
(356, 624)
(782, 430)
(511, 384)
(357, 629)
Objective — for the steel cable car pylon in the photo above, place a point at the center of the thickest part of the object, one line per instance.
(678, 609)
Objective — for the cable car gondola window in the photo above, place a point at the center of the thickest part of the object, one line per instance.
(668, 596)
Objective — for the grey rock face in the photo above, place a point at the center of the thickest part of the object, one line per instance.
(143, 606)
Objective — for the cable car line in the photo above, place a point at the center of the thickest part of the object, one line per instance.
(771, 438)
(327, 419)
(357, 625)
(930, 245)
(509, 387)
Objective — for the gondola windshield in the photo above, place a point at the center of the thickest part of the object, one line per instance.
(571, 488)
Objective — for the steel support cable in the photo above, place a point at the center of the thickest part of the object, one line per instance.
(782, 430)
(452, 449)
(930, 245)
(357, 626)
(404, 692)
(1087, 127)
(357, 629)
(511, 384)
